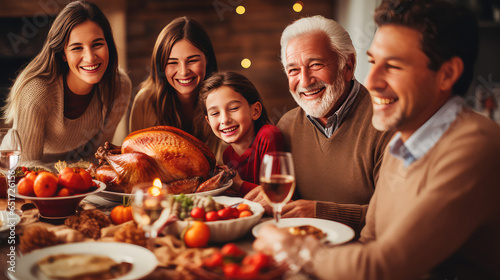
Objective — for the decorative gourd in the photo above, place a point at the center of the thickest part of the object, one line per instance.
(121, 213)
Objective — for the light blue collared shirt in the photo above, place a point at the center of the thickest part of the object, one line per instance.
(426, 136)
(334, 121)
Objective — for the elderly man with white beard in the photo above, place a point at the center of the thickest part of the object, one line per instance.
(336, 150)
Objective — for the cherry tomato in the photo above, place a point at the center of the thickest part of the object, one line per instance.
(231, 270)
(214, 261)
(198, 213)
(211, 216)
(235, 213)
(231, 250)
(260, 260)
(224, 214)
(249, 271)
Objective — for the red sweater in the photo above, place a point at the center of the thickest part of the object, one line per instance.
(268, 139)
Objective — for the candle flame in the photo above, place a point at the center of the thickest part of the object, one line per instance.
(157, 183)
(155, 190)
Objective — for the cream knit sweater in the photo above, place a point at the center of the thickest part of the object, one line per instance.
(47, 136)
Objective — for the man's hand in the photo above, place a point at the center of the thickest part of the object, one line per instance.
(299, 209)
(257, 195)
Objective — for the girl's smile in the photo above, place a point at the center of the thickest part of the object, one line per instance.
(232, 118)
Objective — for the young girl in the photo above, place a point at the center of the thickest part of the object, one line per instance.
(182, 58)
(234, 110)
(69, 99)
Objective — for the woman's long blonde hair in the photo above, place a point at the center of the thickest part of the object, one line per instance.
(164, 98)
(49, 64)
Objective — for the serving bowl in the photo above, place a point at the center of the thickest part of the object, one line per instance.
(60, 207)
(227, 230)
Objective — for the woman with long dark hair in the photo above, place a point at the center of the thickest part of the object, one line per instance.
(182, 58)
(69, 99)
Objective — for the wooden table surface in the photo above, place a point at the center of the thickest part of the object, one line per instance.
(10, 239)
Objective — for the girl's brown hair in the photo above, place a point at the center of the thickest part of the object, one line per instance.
(241, 85)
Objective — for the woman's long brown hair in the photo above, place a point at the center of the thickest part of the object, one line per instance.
(50, 66)
(164, 97)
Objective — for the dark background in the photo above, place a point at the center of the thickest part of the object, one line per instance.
(254, 35)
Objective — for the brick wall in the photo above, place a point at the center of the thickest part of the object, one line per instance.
(253, 35)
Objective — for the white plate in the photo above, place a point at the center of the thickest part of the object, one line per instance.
(118, 197)
(336, 233)
(143, 261)
(7, 218)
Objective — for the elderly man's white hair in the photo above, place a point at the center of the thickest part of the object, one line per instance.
(340, 40)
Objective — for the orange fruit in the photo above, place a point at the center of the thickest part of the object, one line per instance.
(45, 184)
(25, 187)
(242, 207)
(197, 235)
(246, 213)
(32, 175)
(64, 192)
(71, 179)
(87, 178)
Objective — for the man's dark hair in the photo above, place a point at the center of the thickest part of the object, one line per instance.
(447, 31)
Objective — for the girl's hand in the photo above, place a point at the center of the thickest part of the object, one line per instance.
(237, 181)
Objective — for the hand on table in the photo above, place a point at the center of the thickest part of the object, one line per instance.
(294, 209)
(299, 209)
(257, 195)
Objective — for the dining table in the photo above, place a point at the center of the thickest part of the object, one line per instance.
(10, 239)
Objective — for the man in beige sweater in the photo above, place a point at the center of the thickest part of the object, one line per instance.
(435, 211)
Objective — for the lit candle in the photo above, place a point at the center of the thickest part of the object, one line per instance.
(155, 190)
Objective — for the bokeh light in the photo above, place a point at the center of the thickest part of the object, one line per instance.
(240, 10)
(298, 6)
(245, 63)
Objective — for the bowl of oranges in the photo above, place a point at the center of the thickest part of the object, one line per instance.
(58, 195)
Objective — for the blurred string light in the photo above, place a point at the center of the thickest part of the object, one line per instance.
(245, 63)
(298, 6)
(240, 10)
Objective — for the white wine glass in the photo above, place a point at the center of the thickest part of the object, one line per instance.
(151, 208)
(277, 178)
(10, 149)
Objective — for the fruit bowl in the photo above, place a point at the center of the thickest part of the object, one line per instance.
(227, 230)
(60, 207)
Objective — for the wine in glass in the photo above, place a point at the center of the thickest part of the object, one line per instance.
(151, 208)
(277, 178)
(10, 149)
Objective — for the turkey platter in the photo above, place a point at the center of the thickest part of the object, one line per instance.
(177, 158)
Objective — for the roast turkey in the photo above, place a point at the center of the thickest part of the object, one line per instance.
(168, 153)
